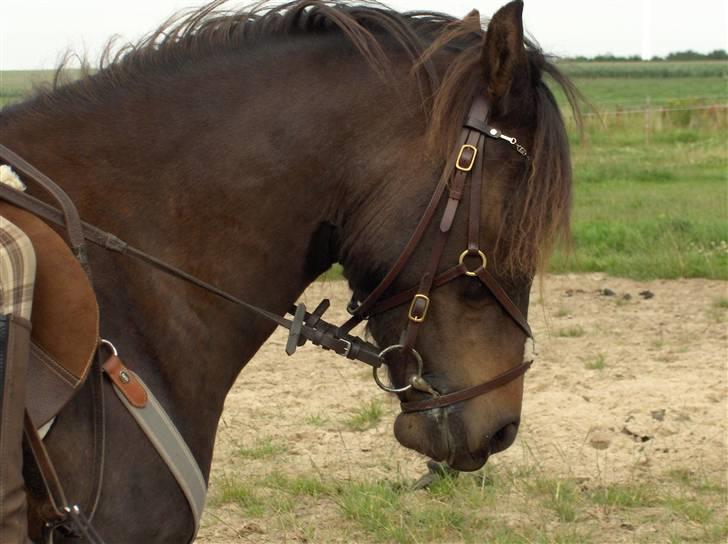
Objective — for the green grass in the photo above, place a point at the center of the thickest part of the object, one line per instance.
(560, 496)
(262, 449)
(501, 505)
(575, 331)
(597, 363)
(365, 417)
(298, 486)
(240, 493)
(640, 70)
(317, 420)
(624, 495)
(691, 509)
(649, 211)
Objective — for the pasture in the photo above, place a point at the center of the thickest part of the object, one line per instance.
(624, 433)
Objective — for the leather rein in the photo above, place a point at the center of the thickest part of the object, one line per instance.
(465, 164)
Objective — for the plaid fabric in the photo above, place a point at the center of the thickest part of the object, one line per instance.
(17, 271)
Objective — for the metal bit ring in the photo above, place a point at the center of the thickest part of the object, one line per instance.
(407, 387)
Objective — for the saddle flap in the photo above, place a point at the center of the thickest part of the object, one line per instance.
(65, 319)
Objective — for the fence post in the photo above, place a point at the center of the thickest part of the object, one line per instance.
(648, 105)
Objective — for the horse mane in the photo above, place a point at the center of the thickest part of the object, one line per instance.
(537, 209)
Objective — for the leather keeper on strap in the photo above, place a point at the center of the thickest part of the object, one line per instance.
(468, 393)
(126, 381)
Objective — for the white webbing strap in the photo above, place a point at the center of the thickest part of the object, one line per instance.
(173, 450)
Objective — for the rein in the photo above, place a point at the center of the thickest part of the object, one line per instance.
(466, 164)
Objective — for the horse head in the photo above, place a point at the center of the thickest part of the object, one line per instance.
(464, 327)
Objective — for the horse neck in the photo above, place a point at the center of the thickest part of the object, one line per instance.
(222, 178)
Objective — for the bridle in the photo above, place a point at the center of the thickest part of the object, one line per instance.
(465, 164)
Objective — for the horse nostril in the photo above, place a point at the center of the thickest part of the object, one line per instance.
(504, 437)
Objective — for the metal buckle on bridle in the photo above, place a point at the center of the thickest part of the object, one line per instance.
(467, 167)
(415, 314)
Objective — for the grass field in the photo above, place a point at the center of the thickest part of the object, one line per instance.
(15, 83)
(473, 507)
(651, 195)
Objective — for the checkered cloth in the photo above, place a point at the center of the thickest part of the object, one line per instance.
(17, 271)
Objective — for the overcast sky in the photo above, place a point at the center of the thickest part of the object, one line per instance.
(33, 33)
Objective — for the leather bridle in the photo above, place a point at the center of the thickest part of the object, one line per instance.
(465, 164)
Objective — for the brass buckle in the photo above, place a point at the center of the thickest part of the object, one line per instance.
(482, 258)
(469, 167)
(414, 318)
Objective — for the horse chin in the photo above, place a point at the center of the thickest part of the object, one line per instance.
(427, 434)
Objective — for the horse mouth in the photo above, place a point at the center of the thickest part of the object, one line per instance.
(429, 434)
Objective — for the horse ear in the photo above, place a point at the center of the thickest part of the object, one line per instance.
(504, 54)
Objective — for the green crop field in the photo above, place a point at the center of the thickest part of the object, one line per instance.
(651, 194)
(15, 83)
(651, 171)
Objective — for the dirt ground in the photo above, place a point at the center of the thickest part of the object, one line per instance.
(628, 383)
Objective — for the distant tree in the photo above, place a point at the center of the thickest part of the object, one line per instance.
(718, 54)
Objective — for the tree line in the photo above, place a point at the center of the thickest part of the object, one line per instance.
(718, 54)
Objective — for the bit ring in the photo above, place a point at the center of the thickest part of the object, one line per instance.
(407, 387)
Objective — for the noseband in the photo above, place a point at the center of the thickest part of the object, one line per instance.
(465, 164)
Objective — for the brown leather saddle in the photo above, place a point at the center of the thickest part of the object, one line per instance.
(65, 320)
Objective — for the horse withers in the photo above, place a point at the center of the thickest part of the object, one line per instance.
(253, 150)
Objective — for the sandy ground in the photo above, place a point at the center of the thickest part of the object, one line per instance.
(657, 402)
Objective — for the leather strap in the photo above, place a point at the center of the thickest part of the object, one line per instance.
(55, 510)
(413, 242)
(468, 393)
(72, 221)
(323, 334)
(53, 497)
(505, 301)
(443, 234)
(405, 296)
(161, 432)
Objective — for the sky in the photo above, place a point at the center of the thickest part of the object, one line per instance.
(35, 33)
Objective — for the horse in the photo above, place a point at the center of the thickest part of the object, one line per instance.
(256, 148)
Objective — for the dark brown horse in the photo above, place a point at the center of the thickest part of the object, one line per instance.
(255, 149)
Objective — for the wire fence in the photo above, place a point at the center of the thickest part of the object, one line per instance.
(663, 99)
(655, 109)
(656, 119)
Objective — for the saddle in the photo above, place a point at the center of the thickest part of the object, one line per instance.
(65, 320)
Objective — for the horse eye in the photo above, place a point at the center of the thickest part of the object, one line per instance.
(476, 291)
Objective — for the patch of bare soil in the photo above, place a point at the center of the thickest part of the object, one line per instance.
(629, 383)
